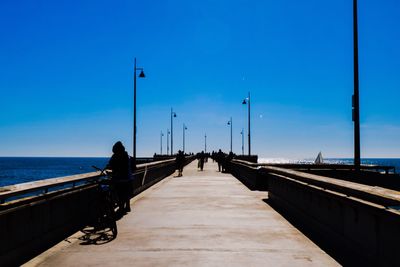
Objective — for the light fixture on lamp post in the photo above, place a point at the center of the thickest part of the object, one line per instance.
(230, 123)
(247, 101)
(173, 115)
(184, 130)
(161, 137)
(141, 75)
(168, 133)
(205, 143)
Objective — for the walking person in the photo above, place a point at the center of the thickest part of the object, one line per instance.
(180, 162)
(219, 157)
(201, 158)
(119, 164)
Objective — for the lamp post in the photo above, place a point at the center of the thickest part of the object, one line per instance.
(141, 75)
(230, 123)
(184, 130)
(247, 101)
(161, 136)
(173, 115)
(205, 143)
(168, 133)
(356, 96)
(242, 133)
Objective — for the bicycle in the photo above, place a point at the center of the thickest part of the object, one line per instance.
(105, 215)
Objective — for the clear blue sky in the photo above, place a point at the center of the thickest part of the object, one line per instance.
(66, 75)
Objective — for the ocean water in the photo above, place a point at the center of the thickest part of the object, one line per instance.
(15, 170)
(393, 162)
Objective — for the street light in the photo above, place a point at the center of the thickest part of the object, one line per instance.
(184, 130)
(356, 96)
(161, 136)
(173, 115)
(168, 133)
(205, 143)
(230, 123)
(247, 101)
(141, 75)
(242, 133)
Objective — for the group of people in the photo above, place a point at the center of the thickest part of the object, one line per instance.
(202, 158)
(222, 159)
(122, 169)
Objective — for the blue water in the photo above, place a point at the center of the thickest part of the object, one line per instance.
(393, 162)
(15, 170)
(381, 162)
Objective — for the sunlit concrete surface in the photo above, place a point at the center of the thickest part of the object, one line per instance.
(201, 219)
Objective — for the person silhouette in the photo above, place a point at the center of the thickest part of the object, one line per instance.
(226, 161)
(201, 157)
(219, 157)
(180, 162)
(119, 164)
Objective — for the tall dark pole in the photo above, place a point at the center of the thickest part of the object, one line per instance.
(141, 75)
(356, 96)
(205, 143)
(249, 127)
(173, 114)
(172, 134)
(247, 101)
(134, 115)
(161, 136)
(168, 141)
(184, 128)
(134, 112)
(242, 133)
(230, 124)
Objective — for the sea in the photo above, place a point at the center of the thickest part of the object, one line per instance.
(15, 170)
(392, 162)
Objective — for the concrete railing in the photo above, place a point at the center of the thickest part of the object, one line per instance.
(357, 224)
(382, 176)
(53, 209)
(248, 173)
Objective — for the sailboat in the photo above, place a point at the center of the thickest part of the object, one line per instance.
(319, 159)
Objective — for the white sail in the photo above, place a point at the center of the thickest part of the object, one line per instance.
(319, 159)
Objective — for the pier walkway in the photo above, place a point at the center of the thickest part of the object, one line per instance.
(201, 219)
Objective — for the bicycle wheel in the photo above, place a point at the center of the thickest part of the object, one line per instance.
(109, 216)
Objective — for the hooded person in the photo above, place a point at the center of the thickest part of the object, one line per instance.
(119, 164)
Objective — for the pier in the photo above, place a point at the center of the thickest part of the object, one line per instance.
(201, 219)
(252, 214)
(155, 79)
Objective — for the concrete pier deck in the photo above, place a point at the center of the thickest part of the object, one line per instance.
(201, 219)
